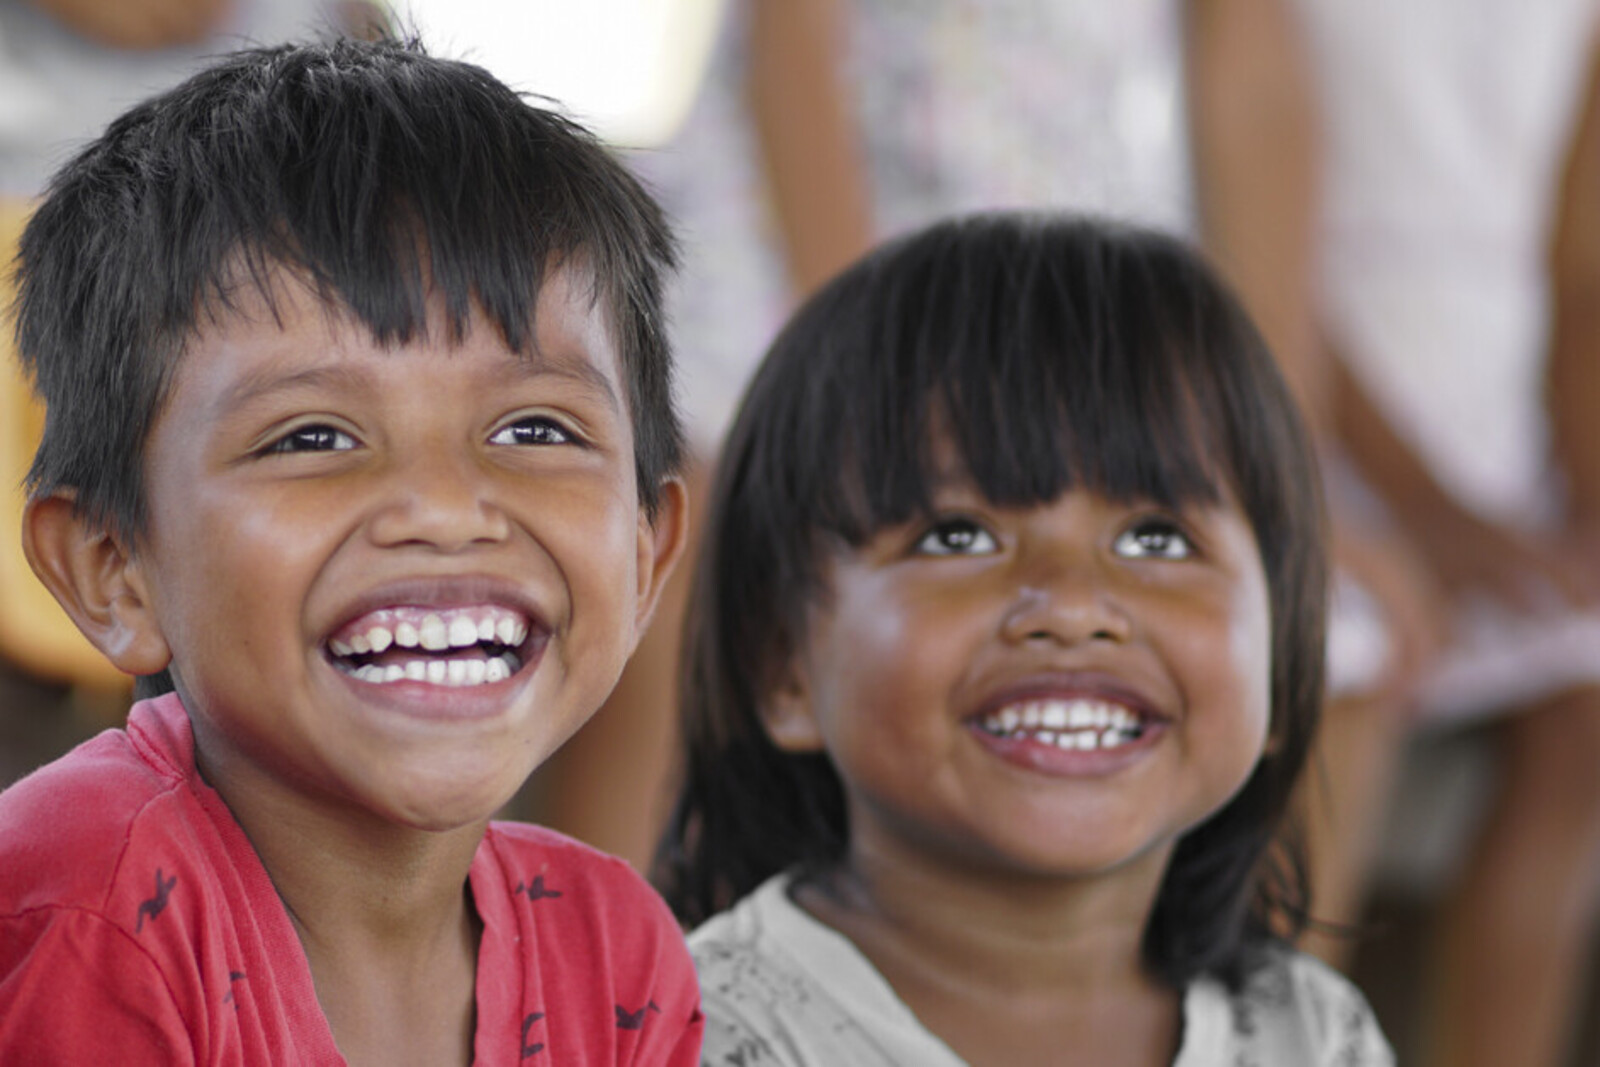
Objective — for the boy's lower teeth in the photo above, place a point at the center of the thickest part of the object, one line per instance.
(444, 672)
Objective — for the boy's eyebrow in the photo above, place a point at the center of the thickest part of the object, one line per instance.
(262, 383)
(339, 376)
(580, 369)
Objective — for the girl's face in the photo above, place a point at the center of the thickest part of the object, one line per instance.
(1060, 690)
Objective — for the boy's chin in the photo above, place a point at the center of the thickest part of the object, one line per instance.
(443, 807)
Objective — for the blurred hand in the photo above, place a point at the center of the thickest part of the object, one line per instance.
(1526, 572)
(1414, 615)
(139, 24)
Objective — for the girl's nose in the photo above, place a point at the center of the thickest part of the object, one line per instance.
(444, 503)
(1067, 603)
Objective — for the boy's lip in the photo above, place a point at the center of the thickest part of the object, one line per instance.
(415, 633)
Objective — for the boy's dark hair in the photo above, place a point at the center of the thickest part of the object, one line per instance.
(381, 175)
(1059, 352)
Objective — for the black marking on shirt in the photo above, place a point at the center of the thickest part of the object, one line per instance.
(527, 1024)
(158, 903)
(233, 976)
(535, 890)
(634, 1020)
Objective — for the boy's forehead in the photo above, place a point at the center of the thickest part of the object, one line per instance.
(568, 319)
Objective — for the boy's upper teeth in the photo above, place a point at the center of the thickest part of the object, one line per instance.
(433, 629)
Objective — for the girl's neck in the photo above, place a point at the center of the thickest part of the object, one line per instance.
(1008, 968)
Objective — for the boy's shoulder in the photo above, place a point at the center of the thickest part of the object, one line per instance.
(533, 864)
(66, 829)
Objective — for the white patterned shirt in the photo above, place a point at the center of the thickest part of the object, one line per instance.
(780, 989)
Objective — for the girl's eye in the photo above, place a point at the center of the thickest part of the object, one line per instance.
(314, 438)
(957, 537)
(533, 430)
(1154, 539)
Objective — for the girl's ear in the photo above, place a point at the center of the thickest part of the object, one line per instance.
(97, 581)
(787, 715)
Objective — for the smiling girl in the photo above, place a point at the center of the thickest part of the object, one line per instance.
(1004, 657)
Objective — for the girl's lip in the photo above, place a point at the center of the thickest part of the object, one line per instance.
(1133, 723)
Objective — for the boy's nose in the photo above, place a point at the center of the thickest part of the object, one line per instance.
(1066, 602)
(443, 503)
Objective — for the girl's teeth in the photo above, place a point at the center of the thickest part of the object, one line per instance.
(406, 636)
(1075, 725)
(379, 638)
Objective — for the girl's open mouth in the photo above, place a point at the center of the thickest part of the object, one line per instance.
(1082, 725)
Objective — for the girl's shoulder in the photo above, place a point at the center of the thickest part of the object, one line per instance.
(1292, 1008)
(780, 988)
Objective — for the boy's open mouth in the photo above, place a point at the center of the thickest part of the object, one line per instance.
(1075, 724)
(463, 646)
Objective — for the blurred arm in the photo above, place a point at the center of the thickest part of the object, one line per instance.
(815, 169)
(1253, 123)
(1574, 367)
(138, 24)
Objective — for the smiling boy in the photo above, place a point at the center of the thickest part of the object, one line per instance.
(360, 441)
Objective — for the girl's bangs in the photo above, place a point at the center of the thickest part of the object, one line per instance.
(1046, 375)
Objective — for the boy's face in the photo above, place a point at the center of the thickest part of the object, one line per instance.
(396, 579)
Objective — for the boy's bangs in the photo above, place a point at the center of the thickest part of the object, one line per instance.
(393, 221)
(1046, 375)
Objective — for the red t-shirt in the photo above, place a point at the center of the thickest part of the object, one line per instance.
(138, 926)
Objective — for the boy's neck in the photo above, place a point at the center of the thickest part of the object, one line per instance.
(383, 912)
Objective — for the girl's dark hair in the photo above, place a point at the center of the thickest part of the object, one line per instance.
(380, 174)
(1060, 352)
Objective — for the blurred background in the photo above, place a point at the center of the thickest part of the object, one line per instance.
(1406, 193)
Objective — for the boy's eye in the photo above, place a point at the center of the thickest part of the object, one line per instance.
(957, 537)
(315, 438)
(532, 430)
(1154, 539)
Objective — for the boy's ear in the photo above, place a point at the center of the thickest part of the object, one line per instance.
(786, 713)
(97, 582)
(661, 543)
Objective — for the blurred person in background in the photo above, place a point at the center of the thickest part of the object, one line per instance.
(1459, 268)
